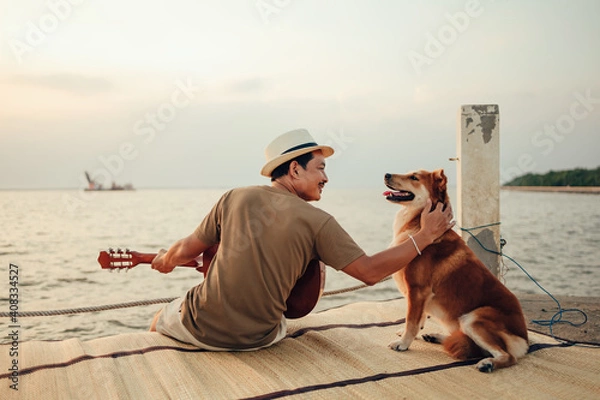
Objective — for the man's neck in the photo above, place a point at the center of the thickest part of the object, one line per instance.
(284, 185)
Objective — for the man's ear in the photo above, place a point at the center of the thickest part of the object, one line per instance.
(293, 171)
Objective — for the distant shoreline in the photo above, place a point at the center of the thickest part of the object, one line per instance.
(556, 189)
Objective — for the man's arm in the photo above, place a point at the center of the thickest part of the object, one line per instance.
(372, 269)
(180, 252)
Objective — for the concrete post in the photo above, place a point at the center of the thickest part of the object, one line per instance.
(478, 183)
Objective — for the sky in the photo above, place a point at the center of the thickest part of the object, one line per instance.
(188, 93)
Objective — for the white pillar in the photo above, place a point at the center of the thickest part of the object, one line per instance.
(478, 181)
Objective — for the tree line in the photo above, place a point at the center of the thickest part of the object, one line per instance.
(572, 177)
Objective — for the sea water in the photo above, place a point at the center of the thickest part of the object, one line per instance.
(52, 238)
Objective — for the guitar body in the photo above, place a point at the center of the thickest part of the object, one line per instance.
(301, 301)
(307, 291)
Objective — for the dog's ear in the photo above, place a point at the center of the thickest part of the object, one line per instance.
(440, 190)
(440, 179)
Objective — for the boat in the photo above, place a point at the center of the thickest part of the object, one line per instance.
(94, 186)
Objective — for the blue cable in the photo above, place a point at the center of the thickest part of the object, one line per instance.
(557, 317)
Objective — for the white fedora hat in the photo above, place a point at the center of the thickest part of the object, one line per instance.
(288, 146)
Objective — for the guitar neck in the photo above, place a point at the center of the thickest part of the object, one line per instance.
(301, 300)
(146, 258)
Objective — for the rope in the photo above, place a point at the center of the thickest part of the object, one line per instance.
(557, 317)
(352, 288)
(80, 310)
(106, 307)
(503, 269)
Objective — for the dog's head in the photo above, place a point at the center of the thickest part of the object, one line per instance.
(413, 189)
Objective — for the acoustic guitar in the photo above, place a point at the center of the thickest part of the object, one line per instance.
(302, 300)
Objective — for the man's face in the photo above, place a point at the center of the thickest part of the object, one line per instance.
(310, 182)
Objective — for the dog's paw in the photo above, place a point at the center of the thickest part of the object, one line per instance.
(433, 338)
(485, 365)
(398, 345)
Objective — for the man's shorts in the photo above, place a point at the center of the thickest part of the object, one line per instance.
(169, 324)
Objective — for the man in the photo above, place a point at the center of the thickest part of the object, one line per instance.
(267, 235)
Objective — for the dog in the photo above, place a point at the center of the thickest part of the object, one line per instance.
(448, 282)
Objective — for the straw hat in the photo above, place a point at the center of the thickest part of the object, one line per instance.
(288, 146)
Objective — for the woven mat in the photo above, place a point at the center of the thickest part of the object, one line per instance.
(339, 353)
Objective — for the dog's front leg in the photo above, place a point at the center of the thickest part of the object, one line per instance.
(414, 319)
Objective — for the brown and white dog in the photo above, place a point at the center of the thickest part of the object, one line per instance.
(449, 283)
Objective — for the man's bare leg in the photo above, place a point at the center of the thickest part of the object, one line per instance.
(153, 324)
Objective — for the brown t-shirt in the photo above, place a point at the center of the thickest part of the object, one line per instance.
(267, 238)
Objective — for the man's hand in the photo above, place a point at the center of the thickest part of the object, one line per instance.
(159, 263)
(179, 253)
(435, 223)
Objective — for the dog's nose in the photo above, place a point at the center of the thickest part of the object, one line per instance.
(388, 176)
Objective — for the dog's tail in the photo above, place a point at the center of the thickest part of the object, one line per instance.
(461, 347)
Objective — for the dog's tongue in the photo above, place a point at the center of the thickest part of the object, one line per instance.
(399, 193)
(393, 193)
